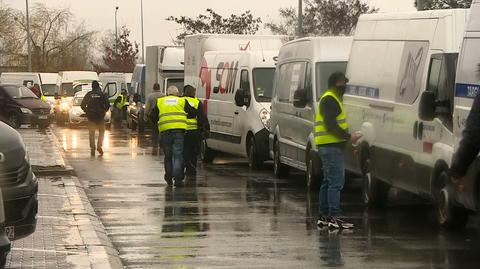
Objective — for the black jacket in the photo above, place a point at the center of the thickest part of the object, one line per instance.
(96, 105)
(470, 144)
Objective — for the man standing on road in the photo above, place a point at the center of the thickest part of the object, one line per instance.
(173, 112)
(95, 104)
(152, 118)
(331, 135)
(197, 129)
(119, 106)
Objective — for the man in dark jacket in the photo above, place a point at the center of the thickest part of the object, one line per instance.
(95, 104)
(469, 146)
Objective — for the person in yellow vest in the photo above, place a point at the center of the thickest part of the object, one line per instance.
(173, 112)
(331, 136)
(197, 129)
(119, 107)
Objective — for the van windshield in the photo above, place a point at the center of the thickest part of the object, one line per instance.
(49, 89)
(67, 89)
(263, 83)
(323, 72)
(21, 92)
(177, 82)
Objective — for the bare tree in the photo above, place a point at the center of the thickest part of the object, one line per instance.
(445, 4)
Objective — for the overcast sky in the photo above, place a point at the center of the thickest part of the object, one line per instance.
(99, 14)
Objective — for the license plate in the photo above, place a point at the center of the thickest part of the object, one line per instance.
(10, 231)
(42, 117)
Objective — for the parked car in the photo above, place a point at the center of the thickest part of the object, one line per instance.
(234, 77)
(47, 82)
(77, 117)
(302, 73)
(395, 58)
(4, 241)
(137, 99)
(18, 184)
(19, 105)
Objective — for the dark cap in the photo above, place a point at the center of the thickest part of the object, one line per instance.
(335, 77)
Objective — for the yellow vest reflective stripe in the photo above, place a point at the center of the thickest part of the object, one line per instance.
(172, 113)
(322, 136)
(122, 102)
(192, 123)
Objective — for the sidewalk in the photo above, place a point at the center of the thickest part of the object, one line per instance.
(68, 233)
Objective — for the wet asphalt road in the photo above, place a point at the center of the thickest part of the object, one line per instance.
(235, 218)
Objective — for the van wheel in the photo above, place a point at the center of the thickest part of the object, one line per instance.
(279, 169)
(206, 154)
(313, 179)
(14, 120)
(449, 215)
(375, 192)
(253, 161)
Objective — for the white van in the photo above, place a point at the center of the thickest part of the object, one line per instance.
(46, 81)
(302, 73)
(114, 83)
(453, 208)
(69, 83)
(395, 57)
(234, 76)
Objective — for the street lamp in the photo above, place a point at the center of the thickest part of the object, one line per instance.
(116, 31)
(143, 45)
(28, 39)
(300, 19)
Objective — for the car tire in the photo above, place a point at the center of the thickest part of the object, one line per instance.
(279, 169)
(448, 214)
(206, 154)
(14, 120)
(254, 161)
(43, 125)
(313, 179)
(375, 192)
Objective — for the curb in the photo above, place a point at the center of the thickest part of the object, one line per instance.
(101, 252)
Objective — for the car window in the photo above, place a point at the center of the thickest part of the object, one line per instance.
(19, 92)
(291, 78)
(263, 83)
(110, 89)
(49, 89)
(67, 89)
(323, 71)
(177, 82)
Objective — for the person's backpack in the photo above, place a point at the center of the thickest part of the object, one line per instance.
(96, 109)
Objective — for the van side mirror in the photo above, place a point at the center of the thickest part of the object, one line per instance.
(300, 98)
(427, 106)
(242, 98)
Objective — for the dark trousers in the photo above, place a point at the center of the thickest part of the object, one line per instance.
(92, 127)
(172, 145)
(155, 134)
(192, 148)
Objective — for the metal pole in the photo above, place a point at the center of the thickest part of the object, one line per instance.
(28, 39)
(300, 19)
(116, 31)
(143, 45)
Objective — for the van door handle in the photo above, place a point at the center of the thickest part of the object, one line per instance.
(415, 130)
(236, 112)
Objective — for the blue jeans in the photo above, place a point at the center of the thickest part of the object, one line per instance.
(332, 157)
(172, 145)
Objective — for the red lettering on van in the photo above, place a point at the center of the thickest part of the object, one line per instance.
(206, 78)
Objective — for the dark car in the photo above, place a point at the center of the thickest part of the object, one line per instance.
(19, 105)
(18, 184)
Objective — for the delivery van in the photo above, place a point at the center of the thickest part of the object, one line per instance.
(234, 76)
(47, 82)
(395, 58)
(445, 111)
(164, 65)
(303, 68)
(114, 83)
(69, 83)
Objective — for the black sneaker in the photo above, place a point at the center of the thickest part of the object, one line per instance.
(338, 223)
(100, 151)
(169, 182)
(322, 221)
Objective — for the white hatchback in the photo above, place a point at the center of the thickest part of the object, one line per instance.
(77, 116)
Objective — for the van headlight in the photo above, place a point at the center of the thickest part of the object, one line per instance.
(25, 110)
(265, 118)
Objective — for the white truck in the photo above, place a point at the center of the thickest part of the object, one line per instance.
(395, 58)
(233, 75)
(164, 65)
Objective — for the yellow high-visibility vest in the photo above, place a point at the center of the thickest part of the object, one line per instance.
(172, 113)
(192, 124)
(322, 136)
(122, 102)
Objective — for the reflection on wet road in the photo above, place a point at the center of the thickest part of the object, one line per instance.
(233, 218)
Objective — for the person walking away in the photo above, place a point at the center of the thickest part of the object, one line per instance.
(95, 104)
(173, 112)
(331, 135)
(152, 118)
(197, 128)
(118, 107)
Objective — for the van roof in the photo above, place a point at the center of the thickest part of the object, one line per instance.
(474, 18)
(256, 59)
(318, 49)
(71, 76)
(427, 14)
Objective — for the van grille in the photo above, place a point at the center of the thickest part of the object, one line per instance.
(14, 176)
